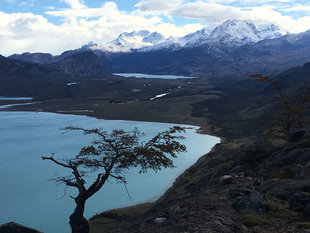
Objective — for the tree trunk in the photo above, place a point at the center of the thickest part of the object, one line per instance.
(78, 223)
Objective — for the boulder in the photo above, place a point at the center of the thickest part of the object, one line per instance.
(227, 179)
(306, 211)
(300, 201)
(251, 201)
(159, 220)
(297, 136)
(13, 227)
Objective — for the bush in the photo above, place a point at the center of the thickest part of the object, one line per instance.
(251, 218)
(255, 156)
(110, 214)
(285, 173)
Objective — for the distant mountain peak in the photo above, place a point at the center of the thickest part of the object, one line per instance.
(130, 41)
(232, 33)
(89, 44)
(236, 33)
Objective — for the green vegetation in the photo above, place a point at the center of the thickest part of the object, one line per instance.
(251, 218)
(285, 173)
(295, 109)
(272, 207)
(108, 220)
(255, 156)
(109, 156)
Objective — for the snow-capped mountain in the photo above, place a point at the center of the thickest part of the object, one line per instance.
(196, 38)
(169, 44)
(129, 41)
(237, 33)
(232, 33)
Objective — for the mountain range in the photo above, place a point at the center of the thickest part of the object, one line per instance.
(231, 33)
(234, 48)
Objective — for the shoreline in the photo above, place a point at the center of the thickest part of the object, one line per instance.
(54, 107)
(172, 182)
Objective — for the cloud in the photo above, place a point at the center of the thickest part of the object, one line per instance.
(27, 3)
(157, 5)
(207, 12)
(218, 11)
(108, 9)
(21, 32)
(298, 8)
(21, 3)
(27, 32)
(75, 4)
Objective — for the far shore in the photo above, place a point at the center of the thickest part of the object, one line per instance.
(53, 107)
(160, 110)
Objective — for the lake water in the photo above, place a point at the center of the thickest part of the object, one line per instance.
(29, 197)
(15, 98)
(138, 75)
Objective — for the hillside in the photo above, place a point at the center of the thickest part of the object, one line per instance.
(268, 184)
(266, 188)
(82, 64)
(248, 183)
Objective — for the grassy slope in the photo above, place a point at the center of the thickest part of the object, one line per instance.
(239, 112)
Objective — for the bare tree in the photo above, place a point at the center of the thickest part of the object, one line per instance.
(295, 109)
(109, 155)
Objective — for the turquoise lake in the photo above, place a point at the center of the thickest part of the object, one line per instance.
(29, 196)
(138, 75)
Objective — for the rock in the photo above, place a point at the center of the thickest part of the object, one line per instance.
(306, 211)
(237, 193)
(297, 136)
(13, 227)
(299, 201)
(175, 208)
(159, 220)
(227, 179)
(191, 186)
(259, 181)
(254, 201)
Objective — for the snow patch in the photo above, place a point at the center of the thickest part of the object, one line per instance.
(74, 83)
(232, 33)
(159, 96)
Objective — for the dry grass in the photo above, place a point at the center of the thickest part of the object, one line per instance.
(104, 224)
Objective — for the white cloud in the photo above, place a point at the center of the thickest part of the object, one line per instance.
(75, 4)
(21, 32)
(298, 8)
(108, 9)
(157, 5)
(207, 12)
(169, 29)
(27, 3)
(27, 32)
(217, 11)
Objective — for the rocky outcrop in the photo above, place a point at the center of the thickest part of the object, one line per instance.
(82, 64)
(12, 227)
(251, 201)
(262, 193)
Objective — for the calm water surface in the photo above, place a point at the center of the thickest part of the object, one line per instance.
(29, 197)
(138, 75)
(15, 98)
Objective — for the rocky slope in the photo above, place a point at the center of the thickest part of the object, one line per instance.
(224, 192)
(16, 228)
(248, 183)
(85, 64)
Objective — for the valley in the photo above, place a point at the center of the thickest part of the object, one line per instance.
(253, 181)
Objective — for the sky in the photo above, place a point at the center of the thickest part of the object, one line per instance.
(54, 26)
